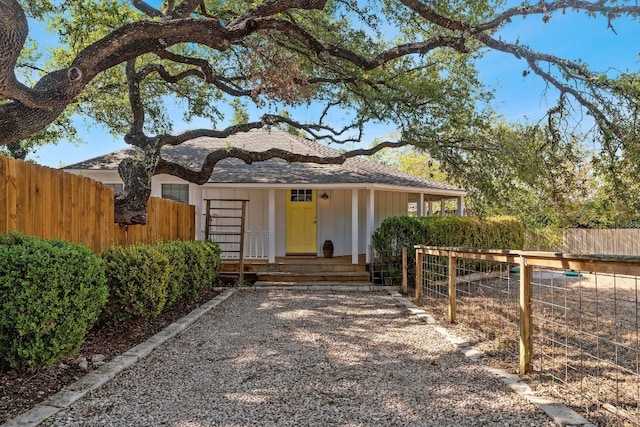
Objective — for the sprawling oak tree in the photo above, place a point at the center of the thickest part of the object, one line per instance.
(404, 62)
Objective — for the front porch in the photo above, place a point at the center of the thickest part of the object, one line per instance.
(347, 217)
(303, 273)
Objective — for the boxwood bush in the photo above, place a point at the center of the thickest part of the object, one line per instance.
(138, 280)
(145, 279)
(178, 269)
(202, 262)
(51, 293)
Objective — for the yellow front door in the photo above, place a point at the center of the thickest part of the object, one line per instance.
(301, 221)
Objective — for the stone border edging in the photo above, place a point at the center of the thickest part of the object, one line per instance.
(96, 378)
(558, 412)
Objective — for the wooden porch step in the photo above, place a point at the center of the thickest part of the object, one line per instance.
(317, 276)
(294, 266)
(319, 286)
(257, 268)
(313, 267)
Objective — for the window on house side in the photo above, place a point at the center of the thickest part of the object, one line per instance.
(177, 192)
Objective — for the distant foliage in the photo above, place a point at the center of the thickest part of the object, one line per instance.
(145, 279)
(51, 294)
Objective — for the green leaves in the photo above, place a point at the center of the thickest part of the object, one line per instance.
(144, 279)
(51, 293)
(491, 233)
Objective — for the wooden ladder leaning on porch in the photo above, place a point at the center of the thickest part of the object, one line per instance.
(225, 220)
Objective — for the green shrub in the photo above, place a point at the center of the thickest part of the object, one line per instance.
(462, 232)
(145, 279)
(51, 293)
(138, 279)
(504, 232)
(465, 232)
(202, 259)
(212, 256)
(178, 269)
(396, 233)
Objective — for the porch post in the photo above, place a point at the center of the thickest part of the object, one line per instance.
(421, 204)
(430, 213)
(370, 222)
(272, 226)
(195, 197)
(354, 226)
(443, 207)
(460, 206)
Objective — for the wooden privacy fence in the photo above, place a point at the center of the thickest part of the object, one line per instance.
(49, 203)
(620, 241)
(585, 241)
(166, 220)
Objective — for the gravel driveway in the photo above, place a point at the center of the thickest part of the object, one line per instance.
(293, 359)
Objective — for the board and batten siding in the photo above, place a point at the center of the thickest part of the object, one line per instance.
(333, 214)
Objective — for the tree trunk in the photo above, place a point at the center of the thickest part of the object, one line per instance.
(130, 206)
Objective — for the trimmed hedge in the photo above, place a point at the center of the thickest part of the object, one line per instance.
(202, 268)
(144, 279)
(176, 257)
(51, 293)
(464, 232)
(492, 233)
(138, 279)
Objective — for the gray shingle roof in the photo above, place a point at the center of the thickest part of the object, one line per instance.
(356, 170)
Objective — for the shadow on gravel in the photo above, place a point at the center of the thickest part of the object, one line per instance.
(286, 358)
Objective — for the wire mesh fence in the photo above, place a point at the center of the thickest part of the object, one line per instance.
(584, 339)
(586, 333)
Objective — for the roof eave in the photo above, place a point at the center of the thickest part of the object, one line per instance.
(360, 186)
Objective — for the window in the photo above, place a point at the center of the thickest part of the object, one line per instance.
(177, 192)
(117, 188)
(302, 195)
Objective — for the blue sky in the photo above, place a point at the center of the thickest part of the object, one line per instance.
(517, 98)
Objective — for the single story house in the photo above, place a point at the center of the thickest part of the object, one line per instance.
(291, 208)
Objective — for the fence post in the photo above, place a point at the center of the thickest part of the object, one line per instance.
(405, 273)
(526, 343)
(419, 255)
(452, 288)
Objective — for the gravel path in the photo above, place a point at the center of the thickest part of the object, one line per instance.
(293, 359)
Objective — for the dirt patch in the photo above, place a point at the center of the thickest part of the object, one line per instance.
(20, 390)
(585, 336)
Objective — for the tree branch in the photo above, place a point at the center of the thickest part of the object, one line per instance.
(249, 157)
(135, 100)
(206, 73)
(274, 7)
(324, 49)
(144, 7)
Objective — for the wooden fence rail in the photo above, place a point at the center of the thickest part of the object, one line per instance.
(48, 203)
(525, 260)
